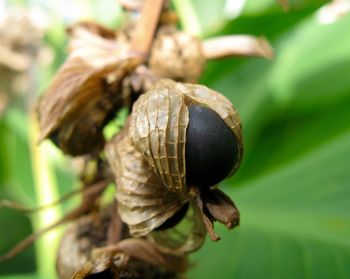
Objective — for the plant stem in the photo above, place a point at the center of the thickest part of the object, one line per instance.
(46, 192)
(188, 17)
(146, 27)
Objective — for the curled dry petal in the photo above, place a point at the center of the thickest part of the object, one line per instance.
(236, 45)
(217, 206)
(92, 27)
(207, 220)
(143, 202)
(220, 207)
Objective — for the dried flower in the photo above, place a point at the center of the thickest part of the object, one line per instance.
(85, 93)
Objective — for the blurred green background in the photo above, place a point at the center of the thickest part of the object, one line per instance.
(293, 188)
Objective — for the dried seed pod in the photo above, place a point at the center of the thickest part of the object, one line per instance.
(159, 123)
(142, 202)
(85, 93)
(148, 159)
(176, 55)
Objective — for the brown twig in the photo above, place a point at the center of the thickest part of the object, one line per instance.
(146, 27)
(236, 45)
(85, 207)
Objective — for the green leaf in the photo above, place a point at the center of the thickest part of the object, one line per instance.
(295, 222)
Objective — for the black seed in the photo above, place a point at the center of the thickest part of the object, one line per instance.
(106, 274)
(211, 148)
(175, 219)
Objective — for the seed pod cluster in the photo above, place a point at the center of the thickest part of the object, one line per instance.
(178, 143)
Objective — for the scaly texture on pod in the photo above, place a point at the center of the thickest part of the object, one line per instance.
(158, 126)
(176, 55)
(143, 202)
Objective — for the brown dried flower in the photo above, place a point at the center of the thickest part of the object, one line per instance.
(85, 92)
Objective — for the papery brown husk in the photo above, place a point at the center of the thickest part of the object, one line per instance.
(177, 55)
(85, 93)
(90, 232)
(158, 127)
(143, 201)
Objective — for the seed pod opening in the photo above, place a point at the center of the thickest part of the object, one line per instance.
(159, 124)
(211, 148)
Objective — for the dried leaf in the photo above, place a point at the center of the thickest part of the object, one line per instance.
(220, 207)
(143, 201)
(236, 45)
(90, 46)
(92, 27)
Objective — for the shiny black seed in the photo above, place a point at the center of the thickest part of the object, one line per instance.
(106, 274)
(175, 219)
(211, 148)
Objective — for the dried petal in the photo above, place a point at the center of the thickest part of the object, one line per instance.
(207, 219)
(85, 92)
(236, 45)
(143, 202)
(78, 104)
(92, 27)
(220, 207)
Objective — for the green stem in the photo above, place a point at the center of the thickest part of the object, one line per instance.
(188, 17)
(46, 192)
